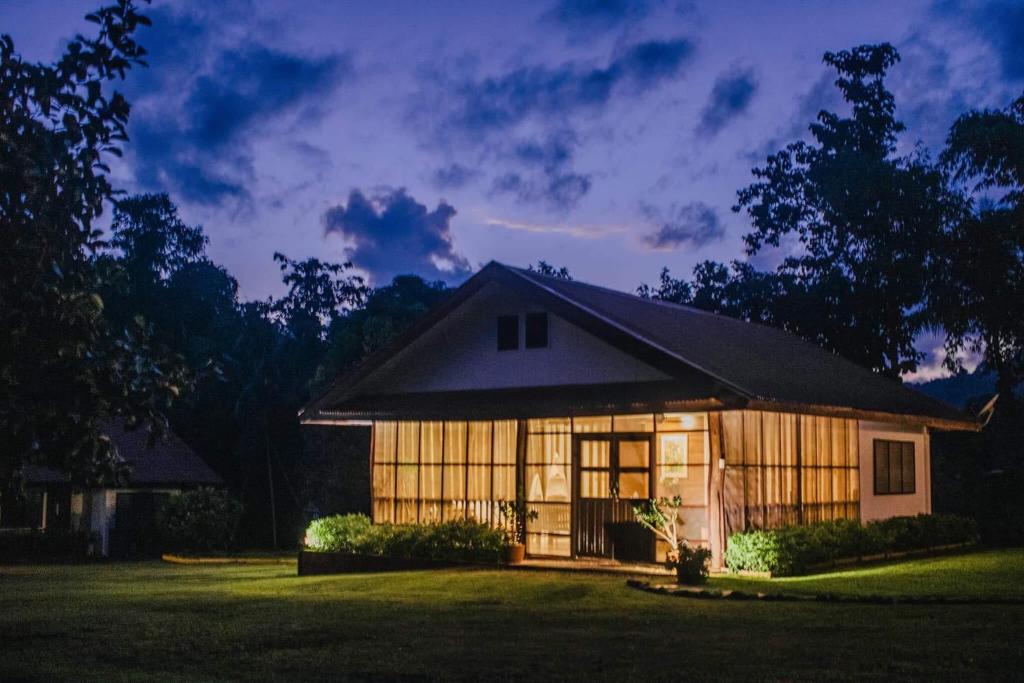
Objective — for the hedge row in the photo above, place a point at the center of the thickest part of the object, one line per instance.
(795, 549)
(462, 540)
(42, 545)
(199, 521)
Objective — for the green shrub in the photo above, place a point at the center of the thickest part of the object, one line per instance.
(200, 520)
(459, 540)
(339, 532)
(692, 565)
(755, 551)
(795, 549)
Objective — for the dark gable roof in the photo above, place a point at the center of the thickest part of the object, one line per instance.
(168, 462)
(762, 366)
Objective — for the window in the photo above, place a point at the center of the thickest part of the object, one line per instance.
(508, 332)
(894, 467)
(536, 330)
(433, 471)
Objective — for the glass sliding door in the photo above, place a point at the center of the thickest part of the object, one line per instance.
(614, 473)
(548, 487)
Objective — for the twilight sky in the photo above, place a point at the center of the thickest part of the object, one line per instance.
(432, 137)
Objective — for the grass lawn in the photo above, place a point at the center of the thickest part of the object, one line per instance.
(991, 573)
(175, 622)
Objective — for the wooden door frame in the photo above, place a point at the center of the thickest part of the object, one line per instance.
(613, 438)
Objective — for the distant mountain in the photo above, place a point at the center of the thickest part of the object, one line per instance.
(960, 389)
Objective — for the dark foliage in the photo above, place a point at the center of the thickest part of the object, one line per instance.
(64, 365)
(200, 520)
(387, 311)
(545, 268)
(38, 546)
(692, 565)
(854, 224)
(978, 295)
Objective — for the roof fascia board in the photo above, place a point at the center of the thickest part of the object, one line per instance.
(872, 415)
(375, 360)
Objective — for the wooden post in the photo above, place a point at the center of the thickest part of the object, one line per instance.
(521, 437)
(270, 486)
(716, 489)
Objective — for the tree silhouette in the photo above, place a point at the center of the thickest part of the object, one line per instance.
(64, 368)
(978, 291)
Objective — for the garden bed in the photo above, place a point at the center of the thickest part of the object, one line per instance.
(312, 563)
(343, 544)
(844, 562)
(228, 558)
(811, 548)
(678, 591)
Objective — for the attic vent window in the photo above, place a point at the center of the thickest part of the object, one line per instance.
(536, 330)
(508, 332)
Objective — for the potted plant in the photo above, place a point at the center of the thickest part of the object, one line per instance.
(662, 517)
(515, 516)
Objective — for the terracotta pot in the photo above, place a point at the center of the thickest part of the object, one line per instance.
(515, 553)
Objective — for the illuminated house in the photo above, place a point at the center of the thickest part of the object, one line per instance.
(583, 400)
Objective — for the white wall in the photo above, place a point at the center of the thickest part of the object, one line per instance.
(104, 514)
(894, 505)
(461, 353)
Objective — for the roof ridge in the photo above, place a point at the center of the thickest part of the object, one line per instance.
(689, 308)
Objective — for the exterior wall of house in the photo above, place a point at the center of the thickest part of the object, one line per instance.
(570, 471)
(103, 515)
(460, 353)
(77, 509)
(734, 470)
(102, 507)
(784, 468)
(881, 506)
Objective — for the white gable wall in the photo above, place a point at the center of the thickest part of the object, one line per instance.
(460, 353)
(874, 506)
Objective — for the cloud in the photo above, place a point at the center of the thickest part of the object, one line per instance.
(560, 191)
(453, 175)
(598, 16)
(193, 128)
(549, 177)
(694, 224)
(498, 103)
(573, 230)
(392, 234)
(521, 124)
(822, 95)
(1000, 23)
(933, 365)
(730, 97)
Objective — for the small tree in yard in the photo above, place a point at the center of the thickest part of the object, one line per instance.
(662, 517)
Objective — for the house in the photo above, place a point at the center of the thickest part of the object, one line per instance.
(119, 519)
(582, 400)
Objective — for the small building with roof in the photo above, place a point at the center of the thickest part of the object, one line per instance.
(120, 520)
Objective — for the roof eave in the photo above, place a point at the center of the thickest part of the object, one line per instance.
(964, 424)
